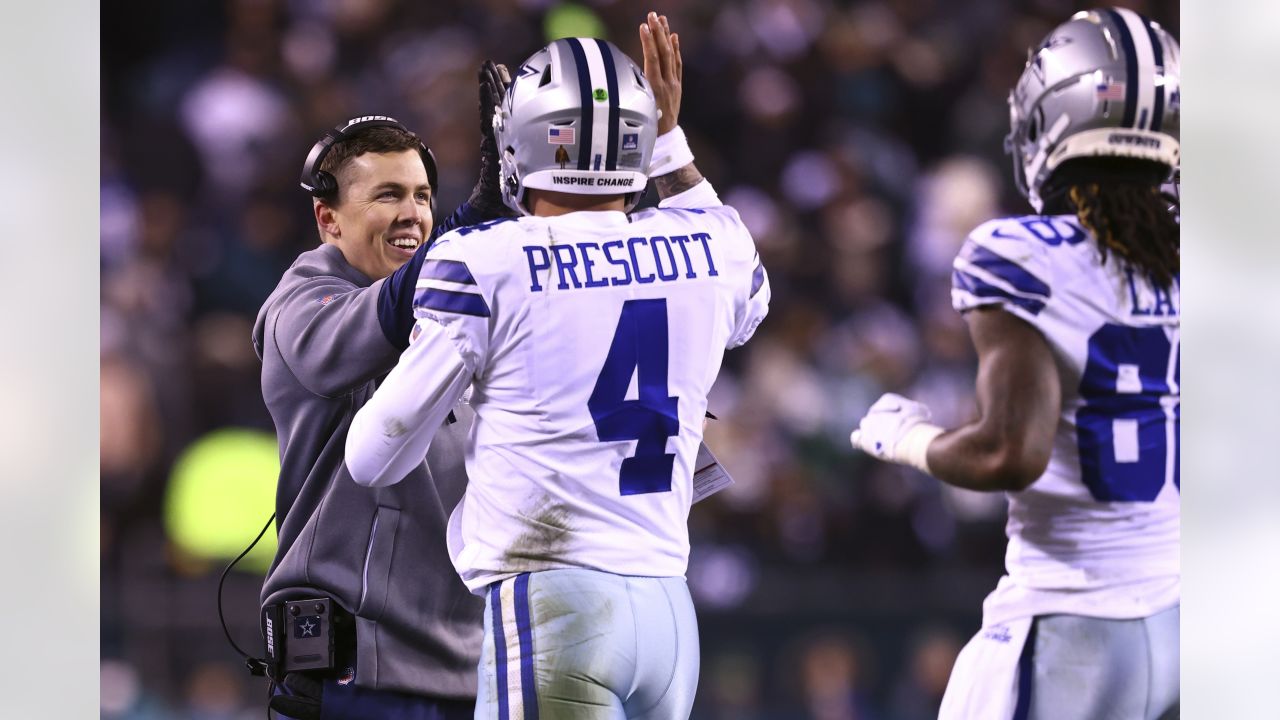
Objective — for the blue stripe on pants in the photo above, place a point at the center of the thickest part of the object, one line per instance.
(529, 692)
(1026, 672)
(499, 649)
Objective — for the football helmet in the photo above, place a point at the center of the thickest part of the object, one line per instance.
(579, 117)
(1104, 83)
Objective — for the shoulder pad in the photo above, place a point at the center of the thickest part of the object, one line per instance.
(1007, 261)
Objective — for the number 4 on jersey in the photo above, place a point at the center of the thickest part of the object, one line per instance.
(639, 347)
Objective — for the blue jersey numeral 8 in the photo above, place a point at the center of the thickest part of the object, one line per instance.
(1123, 430)
(640, 346)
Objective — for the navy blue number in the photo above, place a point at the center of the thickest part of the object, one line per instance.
(640, 346)
(1049, 230)
(481, 226)
(1122, 429)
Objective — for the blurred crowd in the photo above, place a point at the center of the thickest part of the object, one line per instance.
(860, 141)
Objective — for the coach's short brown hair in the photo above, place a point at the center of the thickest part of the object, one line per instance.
(371, 140)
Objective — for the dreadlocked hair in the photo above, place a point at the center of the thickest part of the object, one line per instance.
(1119, 201)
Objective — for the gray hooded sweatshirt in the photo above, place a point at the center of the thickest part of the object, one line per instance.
(380, 552)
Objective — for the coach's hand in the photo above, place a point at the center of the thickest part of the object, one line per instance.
(897, 430)
(486, 197)
(663, 68)
(300, 697)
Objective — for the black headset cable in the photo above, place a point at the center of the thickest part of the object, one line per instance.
(256, 666)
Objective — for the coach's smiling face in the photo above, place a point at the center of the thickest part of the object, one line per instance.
(382, 213)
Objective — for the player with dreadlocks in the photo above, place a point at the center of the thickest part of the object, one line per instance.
(1119, 201)
(1074, 313)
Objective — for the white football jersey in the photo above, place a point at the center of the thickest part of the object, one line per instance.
(1098, 533)
(593, 339)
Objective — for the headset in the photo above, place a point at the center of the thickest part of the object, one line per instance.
(324, 185)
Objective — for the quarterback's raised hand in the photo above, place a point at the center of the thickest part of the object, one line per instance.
(898, 430)
(663, 68)
(671, 165)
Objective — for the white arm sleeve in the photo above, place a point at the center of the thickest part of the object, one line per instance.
(390, 435)
(699, 196)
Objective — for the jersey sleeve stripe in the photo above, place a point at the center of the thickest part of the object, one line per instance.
(994, 280)
(451, 270)
(978, 288)
(462, 303)
(1005, 269)
(757, 278)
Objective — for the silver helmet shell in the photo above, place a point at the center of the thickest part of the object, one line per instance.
(1104, 83)
(579, 117)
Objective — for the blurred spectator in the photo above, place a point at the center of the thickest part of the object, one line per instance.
(833, 678)
(730, 687)
(918, 692)
(213, 693)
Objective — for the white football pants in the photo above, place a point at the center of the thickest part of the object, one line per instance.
(1068, 667)
(581, 644)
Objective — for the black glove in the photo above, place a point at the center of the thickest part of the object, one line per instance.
(303, 699)
(486, 197)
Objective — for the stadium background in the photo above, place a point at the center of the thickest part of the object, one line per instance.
(860, 141)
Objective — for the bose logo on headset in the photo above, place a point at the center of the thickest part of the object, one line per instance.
(367, 118)
(325, 186)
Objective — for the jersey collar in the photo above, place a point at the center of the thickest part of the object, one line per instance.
(592, 218)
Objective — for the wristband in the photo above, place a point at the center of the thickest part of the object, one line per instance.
(670, 153)
(913, 448)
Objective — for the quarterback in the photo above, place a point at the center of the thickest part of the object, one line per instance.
(586, 340)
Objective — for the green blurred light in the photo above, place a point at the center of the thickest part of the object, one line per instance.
(570, 20)
(220, 494)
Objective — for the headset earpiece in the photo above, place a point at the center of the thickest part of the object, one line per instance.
(429, 162)
(326, 185)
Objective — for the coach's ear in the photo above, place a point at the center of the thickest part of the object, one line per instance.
(326, 219)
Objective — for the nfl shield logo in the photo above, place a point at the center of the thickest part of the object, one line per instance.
(630, 141)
